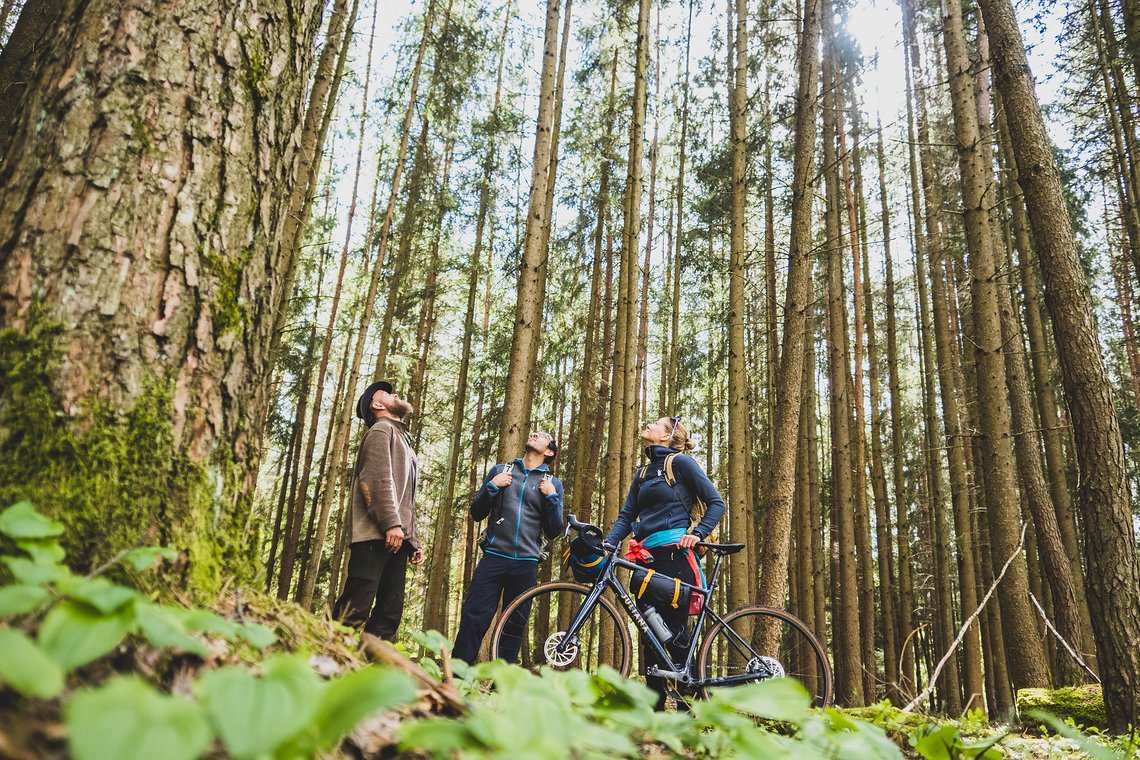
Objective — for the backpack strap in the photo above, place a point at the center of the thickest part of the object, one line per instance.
(697, 508)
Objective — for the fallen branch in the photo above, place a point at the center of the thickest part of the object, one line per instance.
(443, 694)
(1061, 638)
(965, 626)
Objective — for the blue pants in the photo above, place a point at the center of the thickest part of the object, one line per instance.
(495, 577)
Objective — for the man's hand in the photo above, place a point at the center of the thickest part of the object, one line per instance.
(417, 556)
(688, 541)
(503, 479)
(394, 538)
(547, 487)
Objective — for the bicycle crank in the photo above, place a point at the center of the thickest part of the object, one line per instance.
(557, 655)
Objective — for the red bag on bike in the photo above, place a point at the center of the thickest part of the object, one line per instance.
(696, 601)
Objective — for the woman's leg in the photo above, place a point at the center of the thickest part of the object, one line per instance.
(668, 561)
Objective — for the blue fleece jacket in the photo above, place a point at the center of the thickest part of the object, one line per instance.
(652, 505)
(519, 513)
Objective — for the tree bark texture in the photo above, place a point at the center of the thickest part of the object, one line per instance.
(780, 493)
(137, 200)
(528, 303)
(1102, 495)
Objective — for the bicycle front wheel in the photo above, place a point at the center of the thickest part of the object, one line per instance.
(531, 631)
(762, 642)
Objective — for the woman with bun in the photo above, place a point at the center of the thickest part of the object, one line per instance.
(658, 511)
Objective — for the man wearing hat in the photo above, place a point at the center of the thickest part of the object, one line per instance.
(521, 501)
(382, 530)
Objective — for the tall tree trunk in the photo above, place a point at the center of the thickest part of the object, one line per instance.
(898, 462)
(887, 588)
(859, 453)
(642, 406)
(435, 613)
(935, 333)
(674, 355)
(528, 303)
(401, 261)
(548, 222)
(318, 116)
(850, 667)
(781, 484)
(156, 438)
(1024, 653)
(741, 573)
(1102, 497)
(305, 593)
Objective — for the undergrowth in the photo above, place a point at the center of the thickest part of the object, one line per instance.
(112, 672)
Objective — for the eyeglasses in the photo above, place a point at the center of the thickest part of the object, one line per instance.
(676, 421)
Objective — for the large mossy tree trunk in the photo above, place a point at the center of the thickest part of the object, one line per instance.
(138, 270)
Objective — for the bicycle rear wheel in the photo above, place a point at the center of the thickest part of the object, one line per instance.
(533, 625)
(766, 643)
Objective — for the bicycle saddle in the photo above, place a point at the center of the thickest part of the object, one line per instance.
(722, 549)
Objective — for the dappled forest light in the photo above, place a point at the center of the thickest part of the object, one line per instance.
(879, 257)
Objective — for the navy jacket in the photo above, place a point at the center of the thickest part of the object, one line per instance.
(653, 505)
(519, 513)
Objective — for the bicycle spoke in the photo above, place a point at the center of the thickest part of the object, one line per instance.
(757, 643)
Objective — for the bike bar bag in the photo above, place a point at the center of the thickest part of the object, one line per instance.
(661, 591)
(584, 557)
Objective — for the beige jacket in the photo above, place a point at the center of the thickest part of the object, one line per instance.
(384, 484)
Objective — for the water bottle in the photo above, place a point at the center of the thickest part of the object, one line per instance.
(657, 625)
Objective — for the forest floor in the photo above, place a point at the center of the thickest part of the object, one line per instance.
(417, 708)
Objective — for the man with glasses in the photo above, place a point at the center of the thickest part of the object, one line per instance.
(521, 501)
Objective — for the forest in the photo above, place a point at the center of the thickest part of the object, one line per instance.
(878, 257)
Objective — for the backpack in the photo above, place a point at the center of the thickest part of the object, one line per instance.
(697, 508)
(585, 557)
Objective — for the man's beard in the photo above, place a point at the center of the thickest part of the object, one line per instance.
(399, 407)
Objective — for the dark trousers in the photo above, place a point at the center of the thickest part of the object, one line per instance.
(494, 578)
(373, 596)
(671, 561)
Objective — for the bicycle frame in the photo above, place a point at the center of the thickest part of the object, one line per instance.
(681, 673)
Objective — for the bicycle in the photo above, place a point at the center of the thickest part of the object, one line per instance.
(565, 625)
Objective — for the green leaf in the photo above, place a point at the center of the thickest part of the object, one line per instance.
(432, 640)
(1093, 748)
(438, 736)
(204, 621)
(26, 667)
(33, 573)
(985, 748)
(99, 593)
(146, 557)
(776, 698)
(163, 628)
(74, 634)
(258, 635)
(128, 720)
(20, 599)
(943, 744)
(42, 552)
(23, 521)
(254, 716)
(353, 697)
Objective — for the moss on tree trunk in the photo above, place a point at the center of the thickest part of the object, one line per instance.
(1084, 704)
